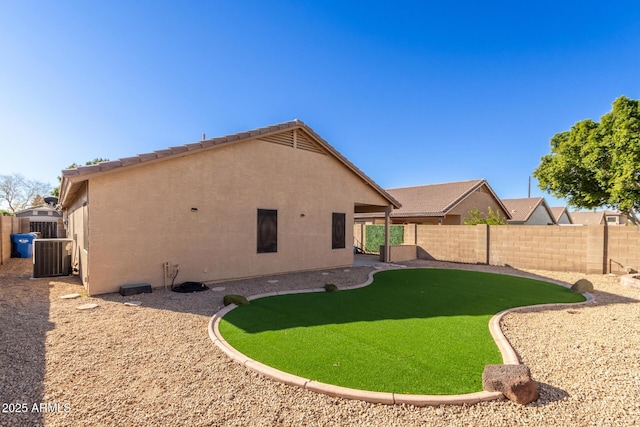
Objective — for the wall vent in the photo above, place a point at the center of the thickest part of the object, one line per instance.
(282, 138)
(295, 138)
(305, 142)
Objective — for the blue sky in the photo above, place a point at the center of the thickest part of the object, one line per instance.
(412, 92)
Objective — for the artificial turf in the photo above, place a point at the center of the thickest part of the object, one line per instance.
(412, 331)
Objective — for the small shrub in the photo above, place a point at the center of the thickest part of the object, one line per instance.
(330, 287)
(477, 217)
(235, 299)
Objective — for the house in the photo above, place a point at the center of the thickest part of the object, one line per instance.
(45, 220)
(615, 218)
(599, 218)
(561, 215)
(271, 200)
(588, 218)
(437, 204)
(529, 211)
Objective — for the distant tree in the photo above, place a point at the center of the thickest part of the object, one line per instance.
(594, 164)
(38, 201)
(56, 191)
(20, 192)
(493, 217)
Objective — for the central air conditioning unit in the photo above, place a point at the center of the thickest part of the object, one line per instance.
(52, 257)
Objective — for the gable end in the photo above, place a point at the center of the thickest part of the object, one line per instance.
(294, 138)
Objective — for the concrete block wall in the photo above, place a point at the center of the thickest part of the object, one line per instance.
(8, 225)
(589, 249)
(448, 242)
(581, 249)
(409, 234)
(596, 249)
(623, 249)
(539, 247)
(359, 235)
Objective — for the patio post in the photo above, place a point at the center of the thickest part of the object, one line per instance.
(387, 234)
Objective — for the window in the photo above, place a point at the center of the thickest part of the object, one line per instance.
(267, 230)
(338, 231)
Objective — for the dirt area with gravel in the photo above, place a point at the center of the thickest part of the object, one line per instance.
(155, 364)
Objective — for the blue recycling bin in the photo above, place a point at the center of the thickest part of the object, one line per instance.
(22, 245)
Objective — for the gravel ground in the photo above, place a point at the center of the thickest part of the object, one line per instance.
(155, 364)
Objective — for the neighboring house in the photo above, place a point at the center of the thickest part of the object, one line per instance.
(529, 211)
(45, 220)
(561, 215)
(615, 218)
(267, 201)
(436, 204)
(599, 218)
(588, 218)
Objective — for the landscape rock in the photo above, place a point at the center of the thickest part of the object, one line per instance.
(514, 381)
(235, 299)
(330, 287)
(582, 285)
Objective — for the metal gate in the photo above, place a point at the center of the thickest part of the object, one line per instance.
(47, 229)
(52, 257)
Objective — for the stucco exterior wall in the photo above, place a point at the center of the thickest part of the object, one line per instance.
(564, 219)
(424, 220)
(200, 212)
(76, 228)
(540, 216)
(480, 199)
(400, 253)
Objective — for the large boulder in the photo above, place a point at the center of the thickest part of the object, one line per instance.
(582, 285)
(514, 381)
(235, 299)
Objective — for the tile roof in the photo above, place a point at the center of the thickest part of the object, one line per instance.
(433, 200)
(587, 218)
(521, 209)
(558, 211)
(71, 178)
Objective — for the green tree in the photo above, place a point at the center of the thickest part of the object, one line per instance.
(477, 217)
(595, 164)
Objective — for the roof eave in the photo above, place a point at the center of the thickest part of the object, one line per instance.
(72, 178)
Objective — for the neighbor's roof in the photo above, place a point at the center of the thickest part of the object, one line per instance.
(558, 211)
(434, 200)
(30, 210)
(72, 179)
(587, 218)
(522, 209)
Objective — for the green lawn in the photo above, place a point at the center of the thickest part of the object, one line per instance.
(412, 331)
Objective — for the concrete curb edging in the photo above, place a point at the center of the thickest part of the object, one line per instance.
(509, 357)
(630, 281)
